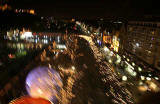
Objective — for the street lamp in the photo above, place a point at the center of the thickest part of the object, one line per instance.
(137, 44)
(73, 68)
(124, 78)
(156, 78)
(142, 78)
(148, 78)
(110, 61)
(139, 69)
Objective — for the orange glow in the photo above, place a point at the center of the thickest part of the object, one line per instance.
(143, 88)
(29, 100)
(31, 11)
(73, 19)
(107, 39)
(4, 7)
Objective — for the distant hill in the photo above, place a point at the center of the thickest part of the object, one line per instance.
(11, 19)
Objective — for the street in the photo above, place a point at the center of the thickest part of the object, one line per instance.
(87, 79)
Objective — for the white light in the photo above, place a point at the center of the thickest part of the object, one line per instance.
(137, 44)
(110, 61)
(40, 91)
(149, 75)
(129, 70)
(134, 73)
(128, 59)
(78, 23)
(36, 41)
(106, 49)
(26, 35)
(119, 22)
(118, 61)
(124, 56)
(139, 69)
(45, 41)
(148, 78)
(118, 56)
(61, 46)
(156, 78)
(140, 83)
(142, 78)
(73, 68)
(133, 63)
(58, 39)
(124, 78)
(111, 52)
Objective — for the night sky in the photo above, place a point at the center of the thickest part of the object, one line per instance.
(90, 8)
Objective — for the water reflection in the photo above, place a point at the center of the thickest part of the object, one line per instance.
(24, 46)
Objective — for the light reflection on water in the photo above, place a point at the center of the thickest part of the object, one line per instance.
(25, 46)
(33, 43)
(16, 48)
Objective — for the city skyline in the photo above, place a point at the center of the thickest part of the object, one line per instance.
(89, 8)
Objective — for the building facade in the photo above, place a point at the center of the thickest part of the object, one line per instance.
(143, 40)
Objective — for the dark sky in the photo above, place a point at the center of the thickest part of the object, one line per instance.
(90, 8)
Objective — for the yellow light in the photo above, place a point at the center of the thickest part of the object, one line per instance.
(153, 86)
(142, 78)
(143, 88)
(110, 61)
(73, 68)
